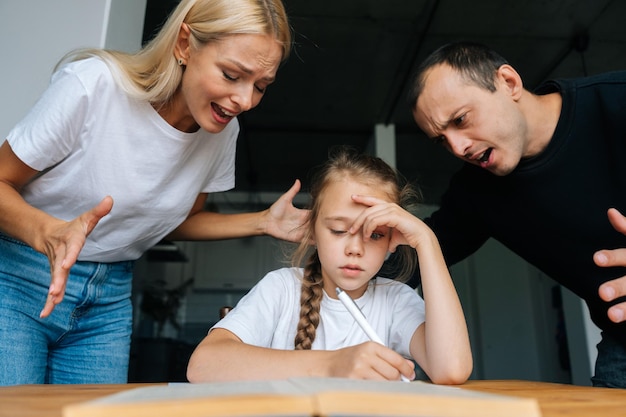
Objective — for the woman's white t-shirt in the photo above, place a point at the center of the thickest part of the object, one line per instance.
(90, 139)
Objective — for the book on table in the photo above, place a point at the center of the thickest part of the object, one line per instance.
(318, 397)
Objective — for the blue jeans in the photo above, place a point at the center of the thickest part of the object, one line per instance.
(611, 363)
(86, 339)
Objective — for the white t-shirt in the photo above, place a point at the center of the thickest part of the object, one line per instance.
(268, 315)
(89, 139)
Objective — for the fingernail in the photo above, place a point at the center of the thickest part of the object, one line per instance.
(618, 315)
(601, 258)
(609, 293)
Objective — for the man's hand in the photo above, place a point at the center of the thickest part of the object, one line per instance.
(616, 288)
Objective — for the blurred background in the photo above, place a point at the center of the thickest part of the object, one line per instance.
(351, 66)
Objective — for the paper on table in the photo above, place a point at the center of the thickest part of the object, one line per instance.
(305, 397)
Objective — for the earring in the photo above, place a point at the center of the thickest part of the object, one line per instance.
(180, 61)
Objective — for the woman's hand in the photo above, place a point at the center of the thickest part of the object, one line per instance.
(283, 220)
(59, 240)
(62, 245)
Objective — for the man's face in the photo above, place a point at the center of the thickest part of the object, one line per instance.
(481, 127)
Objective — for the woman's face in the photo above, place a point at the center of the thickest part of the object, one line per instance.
(222, 79)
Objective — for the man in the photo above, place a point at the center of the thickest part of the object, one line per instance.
(543, 171)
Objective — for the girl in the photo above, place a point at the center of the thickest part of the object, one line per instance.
(292, 324)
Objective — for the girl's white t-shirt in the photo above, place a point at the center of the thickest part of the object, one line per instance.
(90, 139)
(268, 315)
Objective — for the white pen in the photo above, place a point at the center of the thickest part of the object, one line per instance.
(358, 315)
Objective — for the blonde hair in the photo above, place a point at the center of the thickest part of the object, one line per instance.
(152, 73)
(345, 162)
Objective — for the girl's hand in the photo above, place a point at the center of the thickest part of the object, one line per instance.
(407, 228)
(369, 360)
(62, 245)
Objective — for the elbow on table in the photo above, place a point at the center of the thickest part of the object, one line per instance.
(201, 366)
(454, 374)
(194, 373)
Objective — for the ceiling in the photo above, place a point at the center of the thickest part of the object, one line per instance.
(352, 60)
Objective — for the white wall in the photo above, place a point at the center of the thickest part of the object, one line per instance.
(583, 336)
(35, 34)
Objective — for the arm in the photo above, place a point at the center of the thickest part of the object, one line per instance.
(282, 220)
(59, 240)
(616, 288)
(222, 356)
(239, 346)
(440, 345)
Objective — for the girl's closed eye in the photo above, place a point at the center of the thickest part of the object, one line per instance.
(338, 232)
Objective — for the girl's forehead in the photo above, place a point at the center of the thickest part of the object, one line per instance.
(341, 192)
(358, 186)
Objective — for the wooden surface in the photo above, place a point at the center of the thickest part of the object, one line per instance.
(554, 399)
(558, 400)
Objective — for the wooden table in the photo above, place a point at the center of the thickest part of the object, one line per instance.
(559, 400)
(554, 399)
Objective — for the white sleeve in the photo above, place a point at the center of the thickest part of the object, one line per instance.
(255, 318)
(51, 129)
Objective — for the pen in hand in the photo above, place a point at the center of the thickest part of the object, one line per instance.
(358, 315)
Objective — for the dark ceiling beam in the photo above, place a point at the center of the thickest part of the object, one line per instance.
(555, 64)
(579, 42)
(406, 66)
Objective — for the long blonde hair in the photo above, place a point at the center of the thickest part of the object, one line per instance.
(152, 73)
(345, 162)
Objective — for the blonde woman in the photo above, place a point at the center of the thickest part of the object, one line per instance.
(120, 152)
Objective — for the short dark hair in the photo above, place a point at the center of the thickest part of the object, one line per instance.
(475, 62)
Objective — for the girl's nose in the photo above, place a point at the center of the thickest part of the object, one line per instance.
(354, 246)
